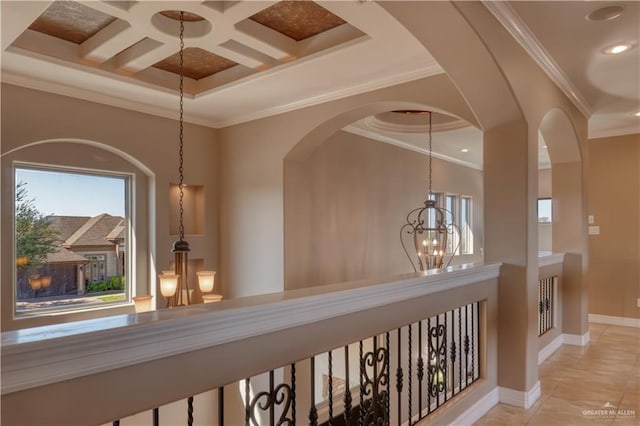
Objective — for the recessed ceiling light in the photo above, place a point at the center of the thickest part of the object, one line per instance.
(605, 13)
(617, 48)
(464, 150)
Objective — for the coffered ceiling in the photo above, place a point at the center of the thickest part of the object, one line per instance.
(243, 59)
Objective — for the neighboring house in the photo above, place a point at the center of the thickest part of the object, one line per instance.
(91, 250)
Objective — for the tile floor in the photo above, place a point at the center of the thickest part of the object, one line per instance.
(598, 384)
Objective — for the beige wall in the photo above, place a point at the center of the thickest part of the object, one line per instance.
(345, 204)
(614, 202)
(93, 135)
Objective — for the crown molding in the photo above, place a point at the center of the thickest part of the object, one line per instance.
(375, 136)
(512, 22)
(427, 71)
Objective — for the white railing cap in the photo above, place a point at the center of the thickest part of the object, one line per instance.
(49, 354)
(547, 258)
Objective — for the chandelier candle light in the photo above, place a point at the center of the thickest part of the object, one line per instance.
(174, 285)
(426, 228)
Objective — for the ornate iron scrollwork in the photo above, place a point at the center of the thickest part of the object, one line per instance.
(437, 370)
(281, 395)
(374, 370)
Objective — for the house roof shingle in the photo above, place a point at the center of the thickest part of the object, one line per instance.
(79, 231)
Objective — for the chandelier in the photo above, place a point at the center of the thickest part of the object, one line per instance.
(174, 285)
(427, 236)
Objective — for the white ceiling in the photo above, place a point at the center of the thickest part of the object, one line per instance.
(287, 75)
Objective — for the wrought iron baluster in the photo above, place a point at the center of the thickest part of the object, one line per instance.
(221, 406)
(347, 388)
(330, 388)
(445, 345)
(420, 368)
(387, 355)
(399, 376)
(459, 349)
(540, 307)
(272, 408)
(116, 423)
(190, 411)
(453, 354)
(473, 333)
(430, 356)
(247, 401)
(313, 412)
(410, 376)
(362, 389)
(156, 417)
(293, 393)
(477, 354)
(437, 372)
(376, 394)
(553, 294)
(466, 345)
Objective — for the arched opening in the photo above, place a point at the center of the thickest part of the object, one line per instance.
(349, 184)
(569, 210)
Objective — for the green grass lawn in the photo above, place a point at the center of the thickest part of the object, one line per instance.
(112, 297)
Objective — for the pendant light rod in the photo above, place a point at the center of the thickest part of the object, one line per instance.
(181, 137)
(430, 157)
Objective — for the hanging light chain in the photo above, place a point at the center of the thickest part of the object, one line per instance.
(181, 152)
(430, 159)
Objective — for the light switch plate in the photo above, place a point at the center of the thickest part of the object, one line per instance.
(590, 219)
(594, 230)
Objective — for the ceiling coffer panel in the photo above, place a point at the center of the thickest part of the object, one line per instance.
(297, 19)
(198, 63)
(71, 21)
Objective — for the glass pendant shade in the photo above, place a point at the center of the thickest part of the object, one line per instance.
(168, 284)
(206, 280)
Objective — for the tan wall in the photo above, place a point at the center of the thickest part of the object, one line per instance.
(345, 204)
(614, 201)
(149, 146)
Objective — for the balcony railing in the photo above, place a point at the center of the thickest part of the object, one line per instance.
(546, 304)
(385, 352)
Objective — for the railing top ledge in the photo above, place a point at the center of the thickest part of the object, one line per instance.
(547, 258)
(42, 355)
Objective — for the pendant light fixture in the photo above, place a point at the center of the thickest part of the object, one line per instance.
(424, 236)
(174, 285)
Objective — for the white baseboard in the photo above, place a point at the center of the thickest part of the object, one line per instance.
(576, 339)
(611, 320)
(519, 398)
(478, 409)
(548, 350)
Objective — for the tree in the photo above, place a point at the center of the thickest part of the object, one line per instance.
(35, 237)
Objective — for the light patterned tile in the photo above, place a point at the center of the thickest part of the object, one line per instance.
(598, 384)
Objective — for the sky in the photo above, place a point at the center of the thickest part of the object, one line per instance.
(73, 194)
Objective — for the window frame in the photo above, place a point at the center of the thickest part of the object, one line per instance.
(466, 235)
(129, 243)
